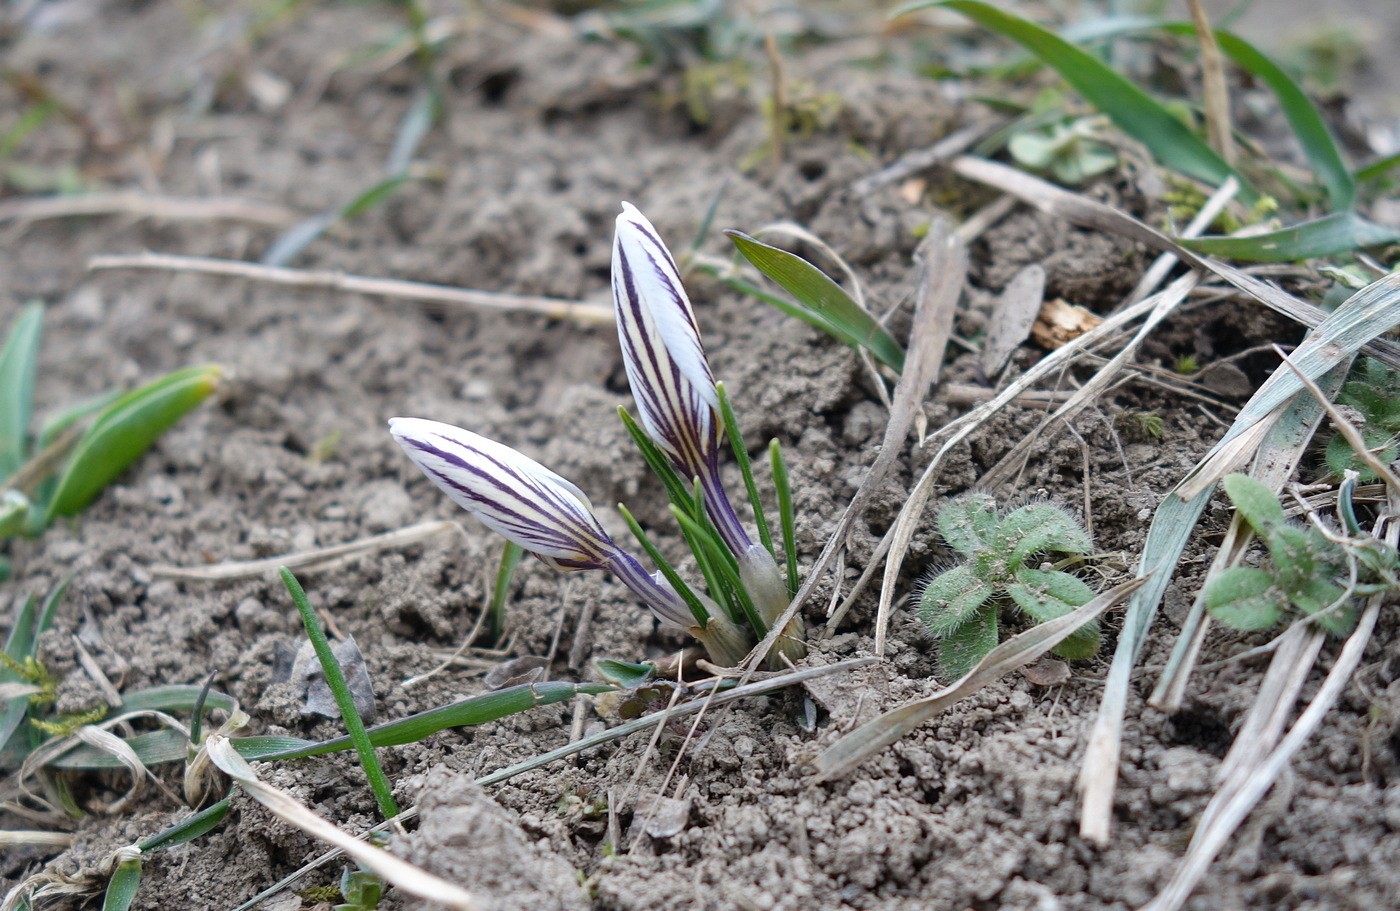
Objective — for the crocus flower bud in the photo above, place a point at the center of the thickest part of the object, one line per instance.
(525, 502)
(666, 364)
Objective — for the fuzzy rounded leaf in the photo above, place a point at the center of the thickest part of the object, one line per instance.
(1244, 598)
(951, 598)
(1317, 595)
(1302, 554)
(1040, 528)
(1082, 643)
(1054, 585)
(962, 648)
(1048, 595)
(968, 522)
(1341, 457)
(1256, 502)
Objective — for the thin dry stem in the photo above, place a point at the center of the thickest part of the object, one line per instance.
(311, 560)
(144, 205)
(555, 308)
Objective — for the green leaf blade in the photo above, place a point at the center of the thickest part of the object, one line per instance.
(1330, 235)
(124, 431)
(840, 315)
(951, 599)
(1133, 110)
(968, 522)
(1244, 598)
(17, 365)
(961, 649)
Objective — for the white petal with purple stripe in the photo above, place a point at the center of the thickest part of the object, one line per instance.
(666, 365)
(512, 495)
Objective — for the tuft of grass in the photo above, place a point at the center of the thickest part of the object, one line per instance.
(1338, 232)
(58, 470)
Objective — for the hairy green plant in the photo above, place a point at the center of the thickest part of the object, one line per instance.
(1315, 572)
(1374, 391)
(1000, 550)
(1142, 425)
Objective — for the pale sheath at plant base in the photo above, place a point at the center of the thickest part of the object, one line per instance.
(684, 418)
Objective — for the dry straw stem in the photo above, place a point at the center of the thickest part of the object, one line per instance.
(1363, 316)
(311, 560)
(1214, 87)
(394, 870)
(553, 307)
(896, 540)
(1086, 212)
(1167, 302)
(29, 838)
(1274, 464)
(143, 205)
(1163, 265)
(873, 736)
(1247, 772)
(1237, 796)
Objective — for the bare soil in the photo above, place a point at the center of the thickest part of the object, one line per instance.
(546, 133)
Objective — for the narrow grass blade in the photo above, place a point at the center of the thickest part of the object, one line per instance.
(838, 313)
(725, 566)
(1330, 235)
(1317, 141)
(188, 830)
(785, 513)
(587, 743)
(413, 880)
(870, 738)
(1133, 110)
(121, 888)
(30, 622)
(656, 460)
(500, 591)
(1090, 213)
(1365, 315)
(1229, 807)
(697, 610)
(1378, 169)
(297, 238)
(170, 746)
(741, 455)
(174, 699)
(344, 700)
(1275, 463)
(17, 361)
(125, 430)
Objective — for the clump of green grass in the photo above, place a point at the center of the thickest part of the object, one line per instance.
(1001, 566)
(60, 468)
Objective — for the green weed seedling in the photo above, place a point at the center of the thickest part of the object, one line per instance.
(960, 604)
(1315, 572)
(361, 890)
(1374, 391)
(75, 453)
